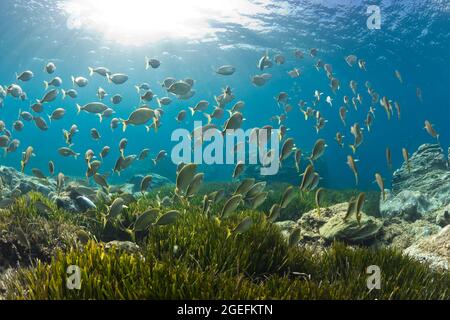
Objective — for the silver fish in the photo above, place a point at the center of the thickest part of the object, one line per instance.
(231, 205)
(145, 183)
(226, 70)
(116, 208)
(49, 96)
(184, 178)
(25, 76)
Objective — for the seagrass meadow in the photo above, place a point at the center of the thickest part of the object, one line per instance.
(194, 256)
(224, 150)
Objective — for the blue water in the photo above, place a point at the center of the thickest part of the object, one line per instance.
(414, 39)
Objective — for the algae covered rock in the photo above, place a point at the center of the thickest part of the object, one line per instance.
(311, 222)
(420, 174)
(123, 246)
(421, 186)
(400, 234)
(11, 180)
(443, 216)
(350, 230)
(434, 249)
(286, 227)
(66, 203)
(330, 225)
(410, 205)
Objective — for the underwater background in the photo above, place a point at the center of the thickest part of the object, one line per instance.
(164, 230)
(413, 39)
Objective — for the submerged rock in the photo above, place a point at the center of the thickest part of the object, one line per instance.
(400, 234)
(330, 226)
(434, 250)
(12, 180)
(420, 187)
(78, 196)
(443, 216)
(66, 203)
(428, 160)
(410, 205)
(123, 246)
(286, 227)
(349, 231)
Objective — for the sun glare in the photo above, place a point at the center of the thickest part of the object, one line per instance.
(139, 22)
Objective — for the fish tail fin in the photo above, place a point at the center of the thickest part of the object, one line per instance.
(147, 61)
(78, 109)
(353, 148)
(100, 116)
(73, 80)
(356, 178)
(63, 93)
(124, 124)
(137, 89)
(154, 161)
(148, 128)
(76, 156)
(192, 110)
(208, 116)
(91, 71)
(305, 114)
(46, 85)
(49, 118)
